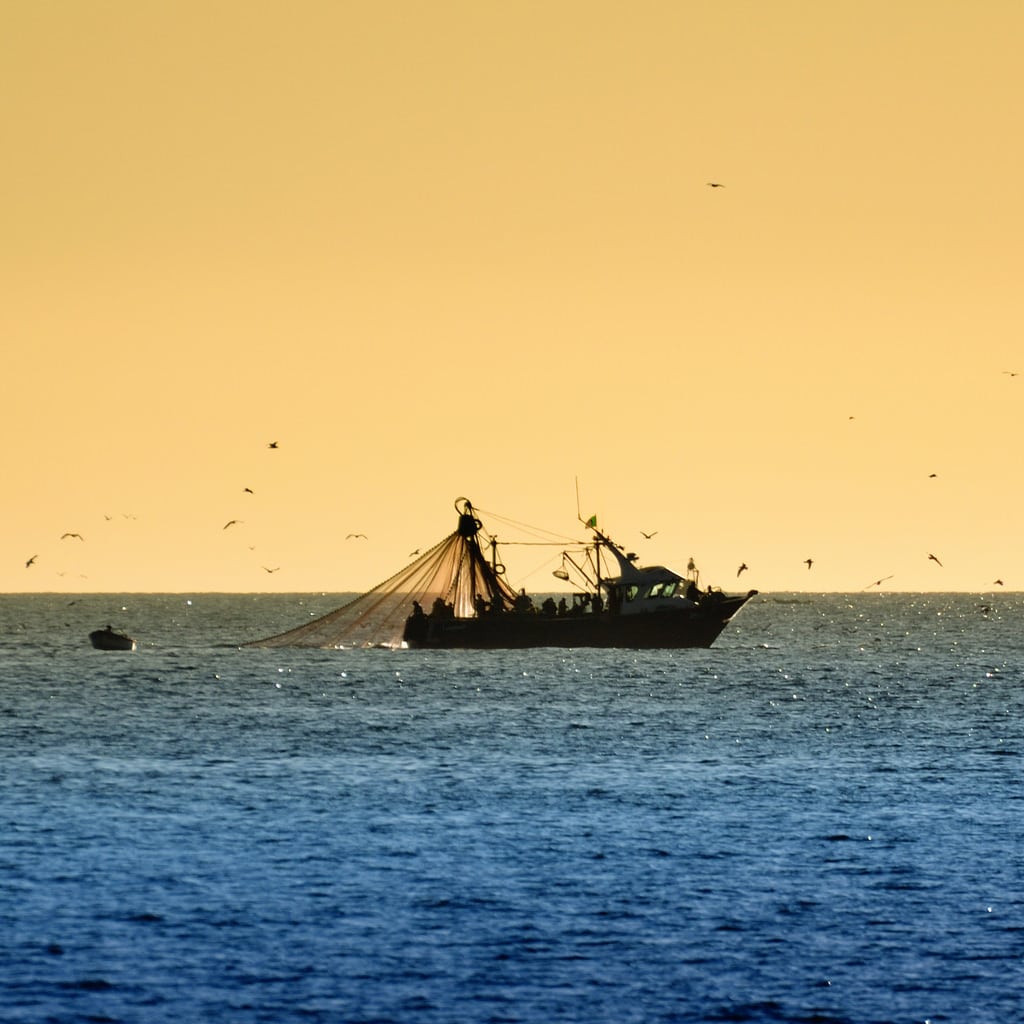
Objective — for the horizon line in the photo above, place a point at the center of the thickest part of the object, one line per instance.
(285, 593)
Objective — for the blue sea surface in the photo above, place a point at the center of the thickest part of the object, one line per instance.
(821, 819)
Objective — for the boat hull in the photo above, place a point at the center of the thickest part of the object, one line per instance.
(662, 629)
(108, 640)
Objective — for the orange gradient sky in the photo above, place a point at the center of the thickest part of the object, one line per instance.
(444, 249)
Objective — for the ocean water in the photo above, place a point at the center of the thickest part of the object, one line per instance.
(821, 819)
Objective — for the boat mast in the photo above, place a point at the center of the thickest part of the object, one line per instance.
(592, 524)
(495, 564)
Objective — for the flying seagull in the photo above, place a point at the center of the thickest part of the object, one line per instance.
(30, 561)
(273, 444)
(265, 569)
(808, 562)
(997, 583)
(932, 558)
(649, 535)
(232, 522)
(248, 490)
(878, 583)
(715, 184)
(351, 535)
(63, 536)
(741, 568)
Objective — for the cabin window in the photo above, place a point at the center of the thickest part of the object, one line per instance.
(631, 591)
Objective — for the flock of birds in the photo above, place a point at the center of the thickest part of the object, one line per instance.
(809, 562)
(273, 445)
(877, 583)
(743, 567)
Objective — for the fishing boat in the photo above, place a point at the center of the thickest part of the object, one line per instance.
(456, 595)
(108, 639)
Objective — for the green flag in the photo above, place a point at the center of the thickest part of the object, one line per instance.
(592, 521)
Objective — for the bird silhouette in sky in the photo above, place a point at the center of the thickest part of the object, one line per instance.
(715, 184)
(1010, 373)
(273, 444)
(411, 553)
(932, 476)
(248, 490)
(351, 535)
(997, 583)
(64, 536)
(649, 535)
(231, 522)
(28, 564)
(878, 583)
(932, 558)
(808, 562)
(275, 569)
(743, 566)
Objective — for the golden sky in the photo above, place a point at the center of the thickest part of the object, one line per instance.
(469, 248)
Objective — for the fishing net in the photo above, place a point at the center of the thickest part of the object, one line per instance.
(453, 578)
